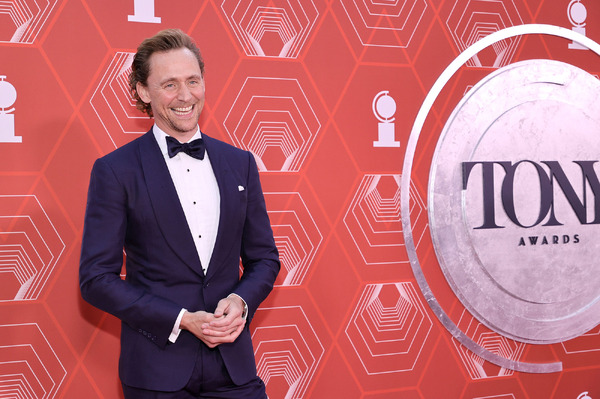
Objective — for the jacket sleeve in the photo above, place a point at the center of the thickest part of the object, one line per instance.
(101, 261)
(259, 254)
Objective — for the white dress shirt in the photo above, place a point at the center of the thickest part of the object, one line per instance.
(198, 193)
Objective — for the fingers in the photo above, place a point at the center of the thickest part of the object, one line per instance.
(213, 341)
(211, 337)
(227, 312)
(224, 323)
(222, 308)
(226, 331)
(194, 321)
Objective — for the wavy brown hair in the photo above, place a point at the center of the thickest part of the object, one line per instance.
(165, 40)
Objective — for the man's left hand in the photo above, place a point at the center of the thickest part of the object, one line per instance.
(229, 322)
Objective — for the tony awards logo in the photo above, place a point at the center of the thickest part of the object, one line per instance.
(577, 14)
(8, 96)
(384, 108)
(143, 11)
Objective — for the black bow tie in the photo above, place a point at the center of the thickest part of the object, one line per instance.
(194, 148)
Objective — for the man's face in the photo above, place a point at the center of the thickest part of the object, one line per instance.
(175, 91)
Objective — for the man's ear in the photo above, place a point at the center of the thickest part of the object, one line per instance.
(142, 91)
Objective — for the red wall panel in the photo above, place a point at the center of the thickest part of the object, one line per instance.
(294, 82)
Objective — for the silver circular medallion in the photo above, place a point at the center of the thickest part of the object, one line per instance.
(514, 201)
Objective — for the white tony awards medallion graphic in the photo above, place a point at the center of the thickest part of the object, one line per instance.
(8, 96)
(577, 14)
(384, 108)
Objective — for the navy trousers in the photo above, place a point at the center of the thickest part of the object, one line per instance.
(206, 382)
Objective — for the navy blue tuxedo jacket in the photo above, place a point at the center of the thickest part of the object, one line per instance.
(133, 205)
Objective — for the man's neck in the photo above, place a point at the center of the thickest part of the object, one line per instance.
(181, 137)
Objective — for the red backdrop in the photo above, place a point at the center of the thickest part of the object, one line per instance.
(294, 82)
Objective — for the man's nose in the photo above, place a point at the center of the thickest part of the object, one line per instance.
(184, 93)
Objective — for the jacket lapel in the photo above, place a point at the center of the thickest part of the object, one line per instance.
(165, 203)
(230, 205)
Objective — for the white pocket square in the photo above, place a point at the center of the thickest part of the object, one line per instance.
(241, 188)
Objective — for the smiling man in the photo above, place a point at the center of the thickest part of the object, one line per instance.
(185, 208)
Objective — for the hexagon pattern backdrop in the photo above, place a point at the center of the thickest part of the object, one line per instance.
(324, 93)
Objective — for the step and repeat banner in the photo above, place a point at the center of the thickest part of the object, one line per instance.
(430, 167)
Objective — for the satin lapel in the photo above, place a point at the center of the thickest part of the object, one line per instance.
(165, 203)
(229, 205)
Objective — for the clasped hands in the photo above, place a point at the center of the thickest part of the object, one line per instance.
(222, 326)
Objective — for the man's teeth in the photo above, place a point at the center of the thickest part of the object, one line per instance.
(183, 110)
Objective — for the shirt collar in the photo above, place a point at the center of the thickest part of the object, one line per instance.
(161, 138)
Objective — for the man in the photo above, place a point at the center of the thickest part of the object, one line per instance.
(184, 214)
